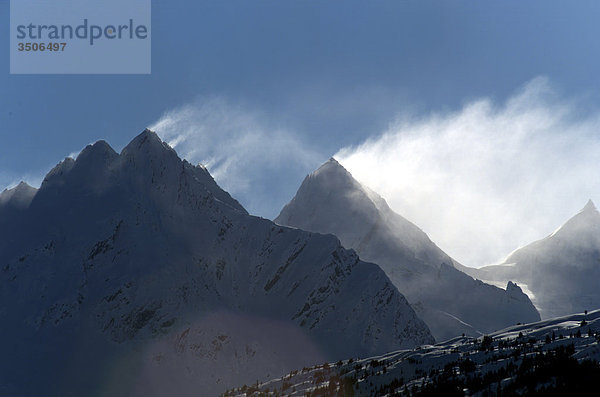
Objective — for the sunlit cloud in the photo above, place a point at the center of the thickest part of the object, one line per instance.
(249, 155)
(489, 178)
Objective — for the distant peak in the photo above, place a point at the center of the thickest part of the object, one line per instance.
(102, 144)
(100, 147)
(515, 292)
(23, 185)
(19, 196)
(147, 136)
(148, 132)
(586, 221)
(11, 189)
(512, 286)
(589, 206)
(147, 141)
(331, 165)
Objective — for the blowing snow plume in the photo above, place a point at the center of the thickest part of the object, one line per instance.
(489, 178)
(246, 153)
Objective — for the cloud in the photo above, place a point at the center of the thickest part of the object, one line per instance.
(489, 178)
(250, 156)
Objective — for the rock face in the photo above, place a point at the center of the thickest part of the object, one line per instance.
(562, 271)
(135, 274)
(330, 200)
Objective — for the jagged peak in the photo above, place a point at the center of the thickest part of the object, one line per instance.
(510, 286)
(331, 178)
(333, 173)
(145, 137)
(148, 142)
(19, 195)
(148, 134)
(585, 221)
(145, 161)
(98, 148)
(331, 165)
(332, 183)
(335, 176)
(24, 186)
(21, 186)
(589, 207)
(59, 170)
(101, 144)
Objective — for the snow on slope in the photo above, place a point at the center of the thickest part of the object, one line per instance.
(330, 200)
(561, 354)
(562, 270)
(135, 274)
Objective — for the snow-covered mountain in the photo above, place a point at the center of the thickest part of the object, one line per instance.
(330, 200)
(18, 197)
(556, 357)
(135, 274)
(562, 271)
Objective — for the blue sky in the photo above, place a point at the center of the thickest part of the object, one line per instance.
(314, 76)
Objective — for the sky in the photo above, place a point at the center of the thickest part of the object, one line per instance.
(474, 119)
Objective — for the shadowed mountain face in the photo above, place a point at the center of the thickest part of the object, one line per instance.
(135, 274)
(562, 270)
(330, 200)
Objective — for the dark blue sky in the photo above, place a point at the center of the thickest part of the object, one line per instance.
(333, 72)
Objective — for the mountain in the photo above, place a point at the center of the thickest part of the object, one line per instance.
(18, 197)
(134, 273)
(330, 200)
(562, 271)
(556, 357)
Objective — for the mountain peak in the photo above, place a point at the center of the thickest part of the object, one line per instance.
(585, 223)
(147, 141)
(18, 196)
(100, 149)
(149, 134)
(23, 186)
(589, 206)
(57, 174)
(146, 136)
(330, 166)
(332, 175)
(330, 200)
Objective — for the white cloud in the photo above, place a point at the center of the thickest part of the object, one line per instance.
(488, 178)
(245, 152)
